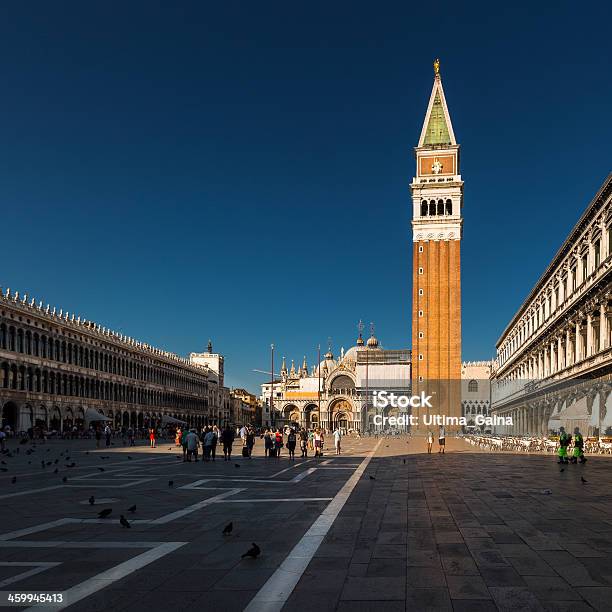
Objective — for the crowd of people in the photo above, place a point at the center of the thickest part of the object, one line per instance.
(274, 440)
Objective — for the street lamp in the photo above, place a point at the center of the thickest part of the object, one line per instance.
(272, 387)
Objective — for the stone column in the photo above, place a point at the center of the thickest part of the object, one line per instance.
(603, 326)
(578, 344)
(589, 335)
(560, 363)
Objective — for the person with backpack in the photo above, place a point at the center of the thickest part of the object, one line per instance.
(291, 442)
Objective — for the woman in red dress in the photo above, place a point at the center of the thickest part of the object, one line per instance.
(152, 437)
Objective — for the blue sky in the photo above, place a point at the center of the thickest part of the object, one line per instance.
(240, 171)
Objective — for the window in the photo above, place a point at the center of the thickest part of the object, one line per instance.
(585, 267)
(473, 386)
(420, 248)
(424, 208)
(597, 247)
(610, 240)
(420, 270)
(420, 379)
(449, 207)
(574, 280)
(420, 357)
(421, 335)
(420, 313)
(420, 292)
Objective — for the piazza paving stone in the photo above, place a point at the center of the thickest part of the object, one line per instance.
(462, 531)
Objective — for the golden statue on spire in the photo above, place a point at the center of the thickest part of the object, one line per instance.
(436, 66)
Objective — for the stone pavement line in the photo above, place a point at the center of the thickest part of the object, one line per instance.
(274, 594)
(37, 567)
(104, 579)
(30, 491)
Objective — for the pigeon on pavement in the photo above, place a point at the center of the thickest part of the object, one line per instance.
(253, 552)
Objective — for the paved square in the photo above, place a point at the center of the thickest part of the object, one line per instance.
(382, 527)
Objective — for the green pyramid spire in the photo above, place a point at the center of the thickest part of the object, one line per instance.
(437, 129)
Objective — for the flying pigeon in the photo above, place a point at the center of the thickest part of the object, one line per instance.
(124, 522)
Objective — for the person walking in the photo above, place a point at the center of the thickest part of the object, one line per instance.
(291, 442)
(207, 442)
(152, 437)
(278, 443)
(441, 439)
(316, 437)
(227, 439)
(131, 439)
(98, 435)
(184, 444)
(268, 444)
(337, 438)
(250, 440)
(304, 442)
(178, 436)
(213, 448)
(429, 441)
(578, 447)
(107, 435)
(564, 442)
(192, 443)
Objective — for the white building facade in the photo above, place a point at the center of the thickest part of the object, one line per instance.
(554, 359)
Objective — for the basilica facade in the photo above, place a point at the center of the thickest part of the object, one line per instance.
(334, 393)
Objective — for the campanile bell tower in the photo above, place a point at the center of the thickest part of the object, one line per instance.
(437, 200)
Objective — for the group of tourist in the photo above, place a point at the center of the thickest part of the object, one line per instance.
(207, 439)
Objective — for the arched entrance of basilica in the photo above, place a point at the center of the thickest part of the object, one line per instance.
(311, 416)
(291, 416)
(341, 415)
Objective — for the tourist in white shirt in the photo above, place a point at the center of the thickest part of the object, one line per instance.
(337, 438)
